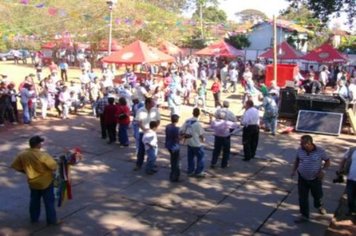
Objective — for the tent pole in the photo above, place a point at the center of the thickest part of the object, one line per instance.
(274, 49)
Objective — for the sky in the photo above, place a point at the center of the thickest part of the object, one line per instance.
(269, 7)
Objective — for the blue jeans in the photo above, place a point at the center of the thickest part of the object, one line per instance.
(48, 199)
(351, 195)
(151, 158)
(140, 152)
(199, 153)
(123, 136)
(26, 113)
(136, 134)
(223, 143)
(175, 165)
(271, 123)
(315, 187)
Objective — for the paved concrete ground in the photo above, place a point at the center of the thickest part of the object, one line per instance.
(110, 198)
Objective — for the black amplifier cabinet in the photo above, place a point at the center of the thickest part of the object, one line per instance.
(288, 103)
(318, 102)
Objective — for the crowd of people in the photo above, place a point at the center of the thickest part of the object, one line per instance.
(135, 101)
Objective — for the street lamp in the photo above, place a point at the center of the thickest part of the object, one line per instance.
(111, 4)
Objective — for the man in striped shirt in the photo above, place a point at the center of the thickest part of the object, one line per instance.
(310, 163)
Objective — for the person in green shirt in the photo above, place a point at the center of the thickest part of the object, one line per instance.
(38, 166)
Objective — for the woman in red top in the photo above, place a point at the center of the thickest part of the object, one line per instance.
(110, 119)
(123, 118)
(216, 89)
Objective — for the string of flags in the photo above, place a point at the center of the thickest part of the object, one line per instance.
(54, 11)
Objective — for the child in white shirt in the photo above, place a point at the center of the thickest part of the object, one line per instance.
(150, 141)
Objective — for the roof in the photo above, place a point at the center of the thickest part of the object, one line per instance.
(285, 52)
(138, 52)
(287, 25)
(169, 48)
(325, 53)
(222, 49)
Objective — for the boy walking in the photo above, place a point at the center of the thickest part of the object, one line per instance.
(172, 144)
(150, 141)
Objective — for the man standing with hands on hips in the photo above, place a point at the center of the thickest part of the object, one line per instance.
(310, 163)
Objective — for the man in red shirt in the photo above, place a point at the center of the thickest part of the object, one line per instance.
(110, 119)
(216, 89)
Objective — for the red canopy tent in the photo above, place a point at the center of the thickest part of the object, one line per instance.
(138, 52)
(285, 52)
(325, 53)
(104, 45)
(169, 48)
(49, 45)
(221, 49)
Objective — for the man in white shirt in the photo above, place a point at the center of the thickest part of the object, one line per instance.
(143, 117)
(250, 121)
(224, 74)
(233, 76)
(324, 77)
(348, 165)
(193, 133)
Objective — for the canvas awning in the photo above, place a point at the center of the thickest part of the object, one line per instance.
(138, 52)
(221, 49)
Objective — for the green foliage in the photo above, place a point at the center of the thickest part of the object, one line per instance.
(348, 45)
(302, 16)
(324, 10)
(251, 15)
(89, 22)
(194, 41)
(239, 41)
(211, 15)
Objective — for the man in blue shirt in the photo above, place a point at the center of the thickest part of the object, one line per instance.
(64, 68)
(172, 144)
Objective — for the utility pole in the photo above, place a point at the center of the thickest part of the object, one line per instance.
(201, 20)
(274, 49)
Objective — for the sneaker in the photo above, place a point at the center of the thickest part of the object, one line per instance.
(137, 168)
(151, 172)
(322, 211)
(190, 174)
(58, 222)
(224, 167)
(200, 175)
(301, 219)
(212, 166)
(350, 213)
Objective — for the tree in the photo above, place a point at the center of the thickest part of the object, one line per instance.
(239, 41)
(304, 17)
(251, 15)
(301, 16)
(211, 15)
(89, 22)
(326, 9)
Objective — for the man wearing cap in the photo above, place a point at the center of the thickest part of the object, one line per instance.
(38, 167)
(222, 141)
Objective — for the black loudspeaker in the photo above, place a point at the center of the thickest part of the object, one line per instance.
(288, 103)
